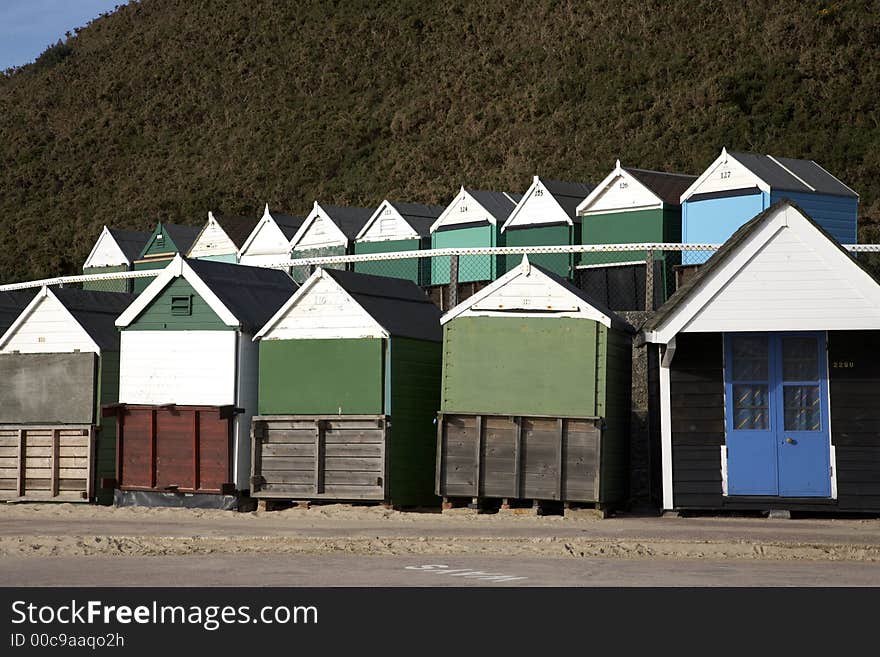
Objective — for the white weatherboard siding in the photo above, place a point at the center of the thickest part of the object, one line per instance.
(268, 245)
(725, 174)
(188, 368)
(248, 376)
(463, 210)
(622, 192)
(386, 225)
(537, 207)
(106, 252)
(319, 231)
(787, 286)
(49, 328)
(324, 311)
(212, 241)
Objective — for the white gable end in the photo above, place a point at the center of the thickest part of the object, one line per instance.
(723, 175)
(618, 193)
(463, 210)
(212, 241)
(318, 231)
(267, 245)
(322, 310)
(47, 327)
(387, 224)
(537, 207)
(106, 252)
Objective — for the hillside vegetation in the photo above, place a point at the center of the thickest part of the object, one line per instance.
(166, 108)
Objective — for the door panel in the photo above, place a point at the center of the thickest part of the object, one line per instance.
(777, 416)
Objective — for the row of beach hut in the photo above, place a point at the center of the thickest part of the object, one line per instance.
(220, 380)
(629, 206)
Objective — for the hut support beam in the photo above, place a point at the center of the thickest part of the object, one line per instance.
(517, 459)
(666, 354)
(53, 478)
(20, 483)
(478, 450)
(319, 457)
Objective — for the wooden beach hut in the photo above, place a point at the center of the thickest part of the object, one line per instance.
(222, 237)
(188, 382)
(546, 215)
(631, 206)
(738, 186)
(349, 389)
(269, 241)
(397, 227)
(769, 378)
(59, 361)
(114, 251)
(164, 243)
(535, 396)
(328, 230)
(472, 220)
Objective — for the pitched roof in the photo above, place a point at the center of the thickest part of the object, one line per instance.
(723, 254)
(498, 204)
(12, 303)
(568, 194)
(96, 312)
(236, 228)
(182, 236)
(667, 186)
(782, 173)
(420, 217)
(399, 306)
(131, 242)
(349, 220)
(287, 223)
(252, 294)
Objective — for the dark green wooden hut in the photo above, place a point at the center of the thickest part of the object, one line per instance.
(349, 389)
(535, 394)
(165, 242)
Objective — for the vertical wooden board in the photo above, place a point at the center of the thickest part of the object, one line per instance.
(498, 457)
(581, 460)
(519, 366)
(321, 377)
(540, 469)
(137, 464)
(458, 458)
(174, 449)
(214, 451)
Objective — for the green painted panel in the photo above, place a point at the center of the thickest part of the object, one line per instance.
(121, 285)
(409, 268)
(521, 366)
(616, 410)
(314, 377)
(470, 268)
(621, 228)
(105, 453)
(415, 393)
(157, 316)
(159, 242)
(225, 257)
(140, 284)
(560, 263)
(300, 274)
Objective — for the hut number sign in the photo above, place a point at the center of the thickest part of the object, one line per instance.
(842, 364)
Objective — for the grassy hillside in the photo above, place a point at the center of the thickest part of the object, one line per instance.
(166, 108)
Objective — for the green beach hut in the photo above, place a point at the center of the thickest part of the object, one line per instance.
(165, 242)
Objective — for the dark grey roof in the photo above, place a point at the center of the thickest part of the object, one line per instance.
(498, 204)
(237, 229)
(182, 236)
(96, 312)
(252, 294)
(723, 254)
(287, 223)
(349, 220)
(11, 305)
(774, 173)
(616, 320)
(568, 194)
(131, 242)
(399, 306)
(420, 217)
(668, 186)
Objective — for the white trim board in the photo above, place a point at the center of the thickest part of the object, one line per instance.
(526, 292)
(385, 224)
(785, 276)
(537, 206)
(321, 309)
(106, 252)
(177, 268)
(620, 191)
(324, 233)
(60, 340)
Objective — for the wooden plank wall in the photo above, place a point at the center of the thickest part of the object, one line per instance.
(46, 463)
(532, 458)
(320, 457)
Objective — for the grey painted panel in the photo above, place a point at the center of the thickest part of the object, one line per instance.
(47, 388)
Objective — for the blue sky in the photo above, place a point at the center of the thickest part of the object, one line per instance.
(27, 27)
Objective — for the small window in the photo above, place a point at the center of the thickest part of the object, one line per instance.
(181, 305)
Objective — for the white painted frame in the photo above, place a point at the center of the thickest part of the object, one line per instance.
(583, 209)
(43, 294)
(377, 215)
(719, 161)
(316, 212)
(447, 211)
(536, 184)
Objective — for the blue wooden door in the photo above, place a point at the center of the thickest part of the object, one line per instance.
(776, 391)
